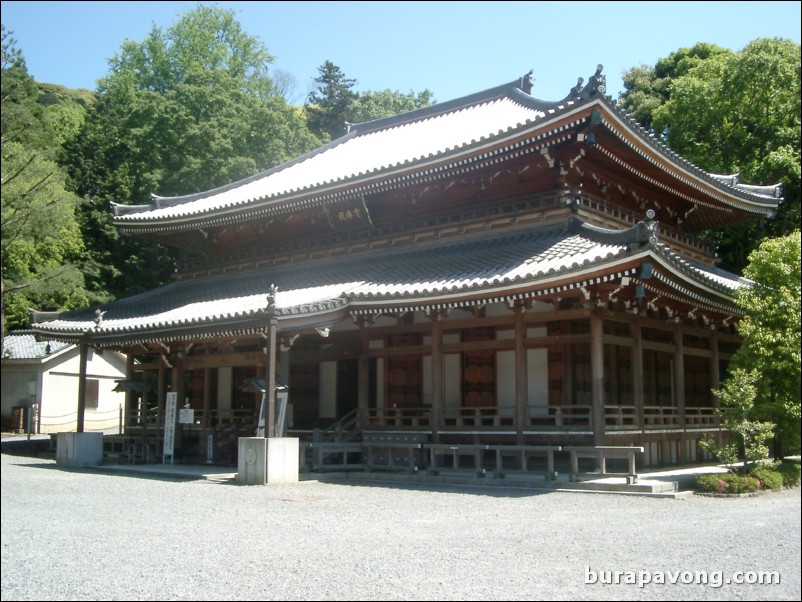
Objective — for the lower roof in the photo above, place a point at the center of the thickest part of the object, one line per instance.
(318, 293)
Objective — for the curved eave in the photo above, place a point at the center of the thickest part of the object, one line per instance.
(746, 198)
(673, 278)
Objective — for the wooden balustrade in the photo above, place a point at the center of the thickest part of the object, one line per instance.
(399, 417)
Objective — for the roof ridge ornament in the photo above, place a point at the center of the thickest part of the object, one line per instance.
(270, 309)
(597, 83)
(527, 82)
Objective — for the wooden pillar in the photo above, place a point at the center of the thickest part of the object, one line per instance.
(637, 374)
(207, 396)
(84, 354)
(521, 373)
(437, 377)
(679, 390)
(162, 391)
(363, 386)
(715, 380)
(715, 376)
(130, 360)
(569, 375)
(270, 378)
(597, 377)
(177, 380)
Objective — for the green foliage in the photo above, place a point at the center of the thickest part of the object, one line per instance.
(729, 113)
(64, 109)
(727, 483)
(375, 105)
(737, 397)
(647, 88)
(769, 477)
(188, 109)
(791, 472)
(726, 453)
(330, 105)
(41, 240)
(772, 335)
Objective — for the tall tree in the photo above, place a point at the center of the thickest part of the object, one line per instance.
(773, 336)
(187, 109)
(330, 105)
(735, 113)
(647, 88)
(40, 235)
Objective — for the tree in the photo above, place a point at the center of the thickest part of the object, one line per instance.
(730, 113)
(739, 417)
(772, 336)
(647, 88)
(186, 110)
(375, 105)
(40, 236)
(330, 105)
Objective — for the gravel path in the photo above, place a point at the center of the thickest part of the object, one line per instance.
(84, 535)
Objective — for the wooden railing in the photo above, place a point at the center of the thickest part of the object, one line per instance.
(488, 416)
(566, 417)
(471, 459)
(559, 416)
(398, 417)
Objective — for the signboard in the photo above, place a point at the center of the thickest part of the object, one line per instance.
(260, 429)
(186, 416)
(169, 425)
(281, 402)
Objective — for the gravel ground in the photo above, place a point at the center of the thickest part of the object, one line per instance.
(84, 535)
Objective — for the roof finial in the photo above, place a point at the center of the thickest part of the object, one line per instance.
(574, 92)
(527, 82)
(271, 300)
(596, 83)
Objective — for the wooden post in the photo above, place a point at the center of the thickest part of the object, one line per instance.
(679, 390)
(207, 396)
(637, 375)
(84, 353)
(521, 374)
(161, 393)
(270, 378)
(363, 386)
(597, 377)
(129, 395)
(715, 380)
(437, 377)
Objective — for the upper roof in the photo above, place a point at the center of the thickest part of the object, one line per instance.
(431, 138)
(540, 261)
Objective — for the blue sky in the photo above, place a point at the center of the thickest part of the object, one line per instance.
(450, 48)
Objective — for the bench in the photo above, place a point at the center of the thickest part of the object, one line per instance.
(601, 453)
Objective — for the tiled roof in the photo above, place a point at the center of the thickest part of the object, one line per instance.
(423, 274)
(22, 345)
(358, 154)
(408, 141)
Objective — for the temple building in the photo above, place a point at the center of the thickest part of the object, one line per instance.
(493, 269)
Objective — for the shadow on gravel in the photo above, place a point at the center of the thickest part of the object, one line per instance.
(490, 489)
